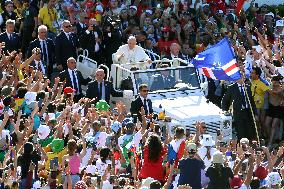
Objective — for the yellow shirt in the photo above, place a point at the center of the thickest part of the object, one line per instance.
(48, 17)
(51, 156)
(258, 89)
(18, 102)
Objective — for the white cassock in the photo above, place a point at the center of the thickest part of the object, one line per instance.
(136, 54)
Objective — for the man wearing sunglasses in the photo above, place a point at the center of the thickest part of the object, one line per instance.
(142, 101)
(66, 44)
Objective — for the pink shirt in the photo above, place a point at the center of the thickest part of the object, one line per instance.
(74, 164)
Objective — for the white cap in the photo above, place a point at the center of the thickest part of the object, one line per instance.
(133, 7)
(220, 12)
(43, 131)
(206, 4)
(280, 23)
(99, 7)
(30, 96)
(36, 185)
(270, 14)
(244, 140)
(257, 48)
(146, 182)
(107, 185)
(149, 11)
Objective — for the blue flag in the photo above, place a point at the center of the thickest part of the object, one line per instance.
(218, 62)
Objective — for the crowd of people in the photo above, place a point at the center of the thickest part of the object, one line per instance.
(52, 135)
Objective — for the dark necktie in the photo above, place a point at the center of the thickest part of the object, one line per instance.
(100, 90)
(243, 97)
(75, 81)
(145, 106)
(70, 38)
(10, 37)
(44, 54)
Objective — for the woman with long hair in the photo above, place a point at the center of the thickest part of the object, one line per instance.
(153, 153)
(73, 159)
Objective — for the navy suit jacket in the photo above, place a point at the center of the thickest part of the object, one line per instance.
(65, 48)
(136, 107)
(50, 48)
(93, 92)
(10, 45)
(64, 75)
(233, 95)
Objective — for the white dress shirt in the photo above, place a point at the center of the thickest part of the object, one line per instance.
(9, 35)
(71, 77)
(130, 56)
(41, 47)
(142, 98)
(97, 47)
(103, 97)
(173, 56)
(242, 91)
(67, 35)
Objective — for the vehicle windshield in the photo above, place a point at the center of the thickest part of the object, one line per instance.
(164, 79)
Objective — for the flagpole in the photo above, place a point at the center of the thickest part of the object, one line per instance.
(252, 113)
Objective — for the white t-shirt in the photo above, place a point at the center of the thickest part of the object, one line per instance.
(135, 141)
(101, 166)
(202, 151)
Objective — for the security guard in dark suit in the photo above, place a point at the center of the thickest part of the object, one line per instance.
(7, 14)
(28, 29)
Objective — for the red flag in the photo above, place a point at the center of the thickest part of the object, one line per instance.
(240, 5)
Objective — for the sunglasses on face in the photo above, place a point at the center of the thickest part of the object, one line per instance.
(145, 90)
(68, 26)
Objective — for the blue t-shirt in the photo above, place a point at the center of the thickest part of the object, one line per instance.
(190, 172)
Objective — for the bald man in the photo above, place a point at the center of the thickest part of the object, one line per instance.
(101, 89)
(130, 53)
(73, 78)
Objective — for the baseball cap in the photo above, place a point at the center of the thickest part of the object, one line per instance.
(261, 172)
(148, 11)
(270, 14)
(236, 182)
(69, 90)
(166, 29)
(133, 7)
(81, 185)
(102, 105)
(57, 145)
(191, 146)
(220, 12)
(8, 2)
(279, 23)
(244, 140)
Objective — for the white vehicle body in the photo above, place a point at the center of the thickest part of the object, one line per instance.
(185, 105)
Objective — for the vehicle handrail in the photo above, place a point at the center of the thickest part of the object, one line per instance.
(152, 53)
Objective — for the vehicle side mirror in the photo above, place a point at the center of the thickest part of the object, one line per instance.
(128, 94)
